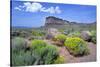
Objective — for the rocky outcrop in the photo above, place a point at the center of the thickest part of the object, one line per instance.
(51, 20)
(51, 33)
(55, 21)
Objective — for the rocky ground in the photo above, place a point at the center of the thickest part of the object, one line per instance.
(71, 59)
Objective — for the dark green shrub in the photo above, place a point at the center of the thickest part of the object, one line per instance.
(18, 44)
(15, 33)
(20, 33)
(76, 46)
(25, 34)
(45, 53)
(59, 60)
(93, 35)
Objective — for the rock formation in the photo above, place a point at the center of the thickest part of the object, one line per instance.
(55, 21)
(51, 33)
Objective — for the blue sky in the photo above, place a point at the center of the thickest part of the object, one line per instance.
(33, 14)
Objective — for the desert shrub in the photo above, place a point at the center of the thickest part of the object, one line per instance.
(51, 53)
(74, 34)
(22, 58)
(59, 60)
(38, 33)
(61, 30)
(76, 46)
(93, 35)
(20, 33)
(44, 53)
(18, 44)
(38, 44)
(24, 34)
(39, 53)
(60, 37)
(15, 33)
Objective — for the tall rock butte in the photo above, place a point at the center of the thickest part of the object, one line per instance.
(51, 20)
(55, 22)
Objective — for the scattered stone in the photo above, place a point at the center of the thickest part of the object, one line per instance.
(51, 33)
(86, 35)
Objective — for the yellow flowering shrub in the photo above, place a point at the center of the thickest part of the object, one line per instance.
(76, 46)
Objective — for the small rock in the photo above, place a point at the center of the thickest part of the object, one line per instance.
(51, 33)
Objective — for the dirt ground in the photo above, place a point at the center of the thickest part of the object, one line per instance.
(71, 59)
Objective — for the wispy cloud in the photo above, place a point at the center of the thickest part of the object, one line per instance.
(17, 8)
(51, 10)
(37, 7)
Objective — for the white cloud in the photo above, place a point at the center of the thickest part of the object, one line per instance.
(17, 8)
(49, 10)
(57, 9)
(32, 7)
(21, 6)
(36, 7)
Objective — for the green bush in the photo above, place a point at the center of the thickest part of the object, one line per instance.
(38, 44)
(39, 53)
(45, 53)
(59, 60)
(60, 37)
(18, 44)
(93, 35)
(76, 46)
(38, 33)
(19, 55)
(51, 53)
(74, 34)
(22, 58)
(24, 34)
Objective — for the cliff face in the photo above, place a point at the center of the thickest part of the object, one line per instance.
(55, 21)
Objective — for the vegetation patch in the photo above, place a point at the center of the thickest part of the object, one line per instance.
(76, 46)
(18, 43)
(59, 60)
(93, 35)
(74, 34)
(60, 38)
(45, 53)
(39, 53)
(22, 58)
(38, 33)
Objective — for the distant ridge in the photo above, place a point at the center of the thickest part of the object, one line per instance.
(51, 20)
